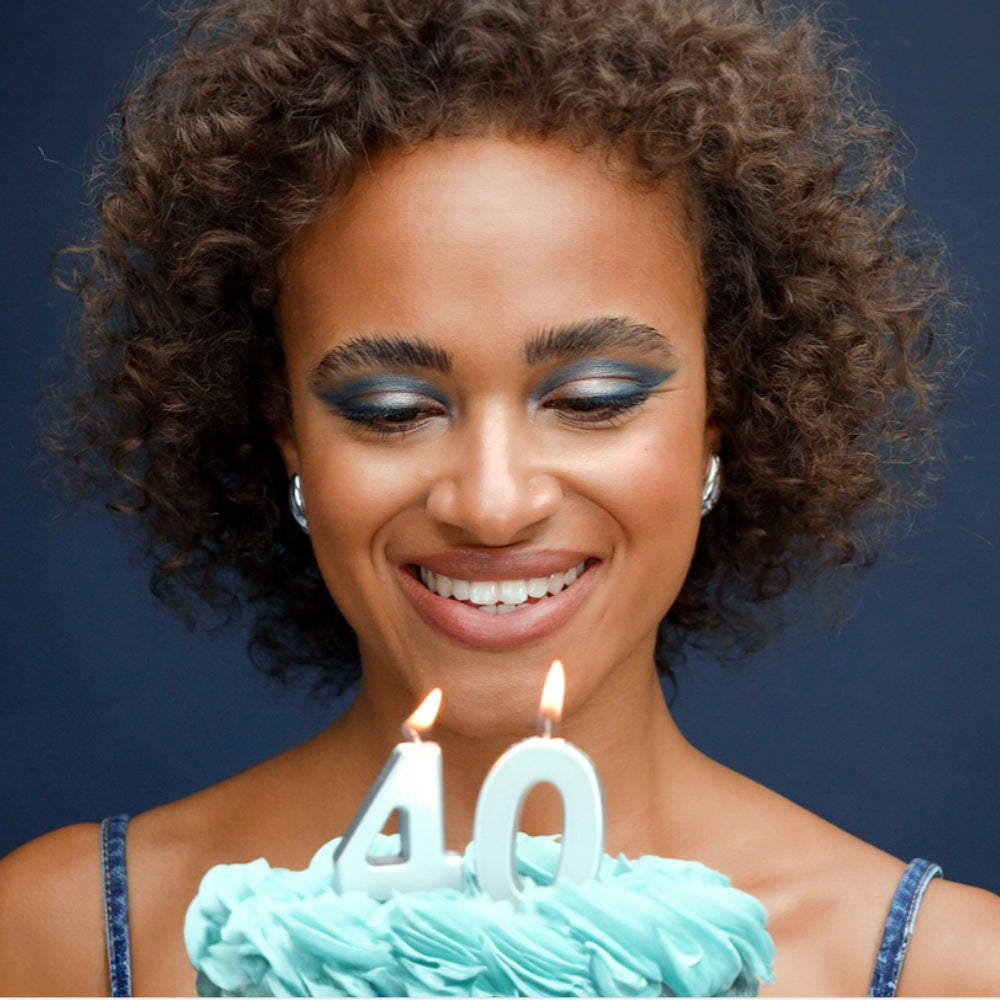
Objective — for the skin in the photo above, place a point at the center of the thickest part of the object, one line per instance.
(473, 248)
(497, 466)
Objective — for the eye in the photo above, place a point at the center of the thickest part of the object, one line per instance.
(385, 412)
(597, 400)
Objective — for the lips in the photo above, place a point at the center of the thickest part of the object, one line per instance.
(492, 602)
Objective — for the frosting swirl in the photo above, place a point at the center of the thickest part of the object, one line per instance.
(649, 927)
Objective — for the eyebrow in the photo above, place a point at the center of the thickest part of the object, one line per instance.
(574, 340)
(392, 351)
(560, 343)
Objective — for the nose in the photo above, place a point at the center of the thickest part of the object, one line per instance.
(497, 482)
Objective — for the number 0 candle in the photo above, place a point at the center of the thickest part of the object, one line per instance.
(531, 762)
(410, 783)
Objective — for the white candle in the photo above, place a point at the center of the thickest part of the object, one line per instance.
(410, 783)
(501, 799)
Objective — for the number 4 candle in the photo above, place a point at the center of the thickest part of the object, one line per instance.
(410, 783)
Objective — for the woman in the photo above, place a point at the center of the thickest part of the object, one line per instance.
(498, 287)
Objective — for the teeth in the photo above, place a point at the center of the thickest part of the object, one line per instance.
(506, 609)
(513, 591)
(483, 592)
(500, 597)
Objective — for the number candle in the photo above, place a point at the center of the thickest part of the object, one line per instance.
(528, 763)
(410, 783)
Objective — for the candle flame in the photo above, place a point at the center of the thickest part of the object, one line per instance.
(423, 718)
(550, 709)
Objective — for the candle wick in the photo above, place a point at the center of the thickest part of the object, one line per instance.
(412, 734)
(547, 725)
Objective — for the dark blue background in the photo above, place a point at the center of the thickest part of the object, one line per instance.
(888, 727)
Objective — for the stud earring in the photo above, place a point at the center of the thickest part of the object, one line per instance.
(713, 485)
(296, 504)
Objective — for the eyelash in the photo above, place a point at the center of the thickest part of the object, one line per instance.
(386, 421)
(606, 409)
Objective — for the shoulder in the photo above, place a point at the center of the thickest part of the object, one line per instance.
(826, 892)
(52, 916)
(955, 950)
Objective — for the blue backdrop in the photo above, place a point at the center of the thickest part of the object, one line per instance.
(888, 727)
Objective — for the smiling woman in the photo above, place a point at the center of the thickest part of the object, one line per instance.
(486, 339)
(457, 336)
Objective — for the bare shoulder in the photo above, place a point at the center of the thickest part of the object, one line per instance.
(51, 916)
(826, 892)
(955, 950)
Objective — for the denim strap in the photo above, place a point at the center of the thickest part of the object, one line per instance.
(116, 904)
(899, 926)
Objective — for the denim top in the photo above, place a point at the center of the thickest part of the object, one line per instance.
(899, 926)
(116, 904)
(888, 963)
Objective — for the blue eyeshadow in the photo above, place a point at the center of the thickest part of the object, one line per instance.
(644, 378)
(349, 395)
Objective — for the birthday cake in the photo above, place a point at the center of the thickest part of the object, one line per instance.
(649, 927)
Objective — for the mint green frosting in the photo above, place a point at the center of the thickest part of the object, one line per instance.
(650, 927)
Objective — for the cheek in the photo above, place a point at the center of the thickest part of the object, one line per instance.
(353, 494)
(649, 479)
(650, 486)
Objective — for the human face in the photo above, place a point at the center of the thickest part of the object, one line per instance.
(494, 351)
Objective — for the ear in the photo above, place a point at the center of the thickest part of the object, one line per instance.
(276, 409)
(713, 437)
(283, 434)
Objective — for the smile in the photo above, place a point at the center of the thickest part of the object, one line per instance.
(500, 597)
(501, 601)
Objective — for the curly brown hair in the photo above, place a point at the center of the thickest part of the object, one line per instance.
(821, 309)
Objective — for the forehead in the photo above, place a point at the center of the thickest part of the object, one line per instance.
(491, 234)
